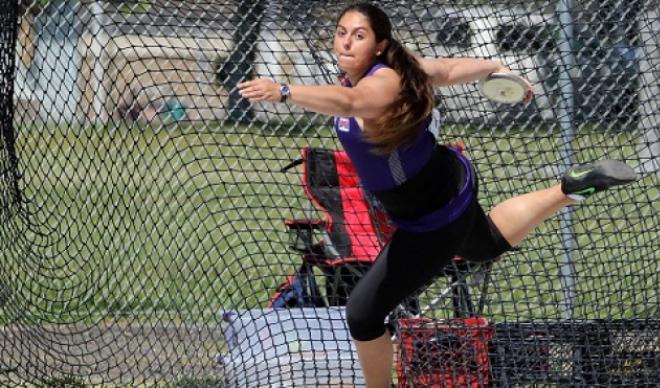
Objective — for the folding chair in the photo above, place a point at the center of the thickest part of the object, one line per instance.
(343, 244)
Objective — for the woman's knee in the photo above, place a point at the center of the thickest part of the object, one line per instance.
(363, 324)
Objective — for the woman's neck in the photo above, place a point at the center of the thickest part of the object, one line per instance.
(355, 77)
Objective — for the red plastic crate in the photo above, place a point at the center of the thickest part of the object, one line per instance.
(444, 354)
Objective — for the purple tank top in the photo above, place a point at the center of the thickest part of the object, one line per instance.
(383, 172)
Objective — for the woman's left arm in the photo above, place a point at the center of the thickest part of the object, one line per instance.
(453, 71)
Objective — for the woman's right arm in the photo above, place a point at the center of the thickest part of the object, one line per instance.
(370, 98)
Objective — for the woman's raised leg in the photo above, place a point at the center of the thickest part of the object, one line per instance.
(518, 216)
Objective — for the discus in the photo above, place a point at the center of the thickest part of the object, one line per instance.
(505, 88)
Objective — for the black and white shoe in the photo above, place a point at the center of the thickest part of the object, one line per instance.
(582, 181)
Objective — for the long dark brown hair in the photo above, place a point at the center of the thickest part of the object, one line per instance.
(401, 123)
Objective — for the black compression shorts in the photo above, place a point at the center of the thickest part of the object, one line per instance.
(412, 260)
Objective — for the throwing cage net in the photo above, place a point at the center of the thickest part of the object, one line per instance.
(158, 229)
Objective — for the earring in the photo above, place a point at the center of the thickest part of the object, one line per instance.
(378, 54)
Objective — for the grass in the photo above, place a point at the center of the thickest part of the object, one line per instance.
(178, 222)
(132, 226)
(123, 221)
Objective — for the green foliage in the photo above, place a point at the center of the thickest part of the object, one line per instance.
(63, 382)
(33, 6)
(192, 382)
(132, 7)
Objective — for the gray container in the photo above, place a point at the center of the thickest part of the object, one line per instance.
(303, 347)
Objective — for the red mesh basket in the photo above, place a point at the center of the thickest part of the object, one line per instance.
(444, 354)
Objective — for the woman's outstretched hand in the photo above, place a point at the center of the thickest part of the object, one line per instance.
(260, 89)
(529, 93)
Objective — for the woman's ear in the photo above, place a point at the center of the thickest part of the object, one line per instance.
(381, 46)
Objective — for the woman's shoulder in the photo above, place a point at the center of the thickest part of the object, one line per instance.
(378, 66)
(380, 70)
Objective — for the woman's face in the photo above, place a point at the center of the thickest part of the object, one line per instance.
(355, 43)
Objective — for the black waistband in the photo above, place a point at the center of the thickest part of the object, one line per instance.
(433, 187)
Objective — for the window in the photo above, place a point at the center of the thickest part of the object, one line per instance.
(453, 31)
(520, 37)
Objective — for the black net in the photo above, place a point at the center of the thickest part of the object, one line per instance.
(154, 229)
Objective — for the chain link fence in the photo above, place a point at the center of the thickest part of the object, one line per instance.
(142, 201)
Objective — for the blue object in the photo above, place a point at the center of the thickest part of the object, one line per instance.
(174, 109)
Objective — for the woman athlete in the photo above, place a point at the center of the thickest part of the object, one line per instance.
(385, 120)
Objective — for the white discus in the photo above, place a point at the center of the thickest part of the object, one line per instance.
(505, 88)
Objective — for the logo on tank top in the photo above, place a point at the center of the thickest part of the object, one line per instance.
(343, 124)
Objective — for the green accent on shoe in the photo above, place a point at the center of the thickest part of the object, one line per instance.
(595, 177)
(577, 175)
(587, 191)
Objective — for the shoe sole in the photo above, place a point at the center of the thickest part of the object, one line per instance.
(614, 171)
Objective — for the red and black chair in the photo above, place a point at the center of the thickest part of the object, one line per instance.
(343, 243)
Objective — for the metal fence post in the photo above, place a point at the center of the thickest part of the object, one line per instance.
(566, 124)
